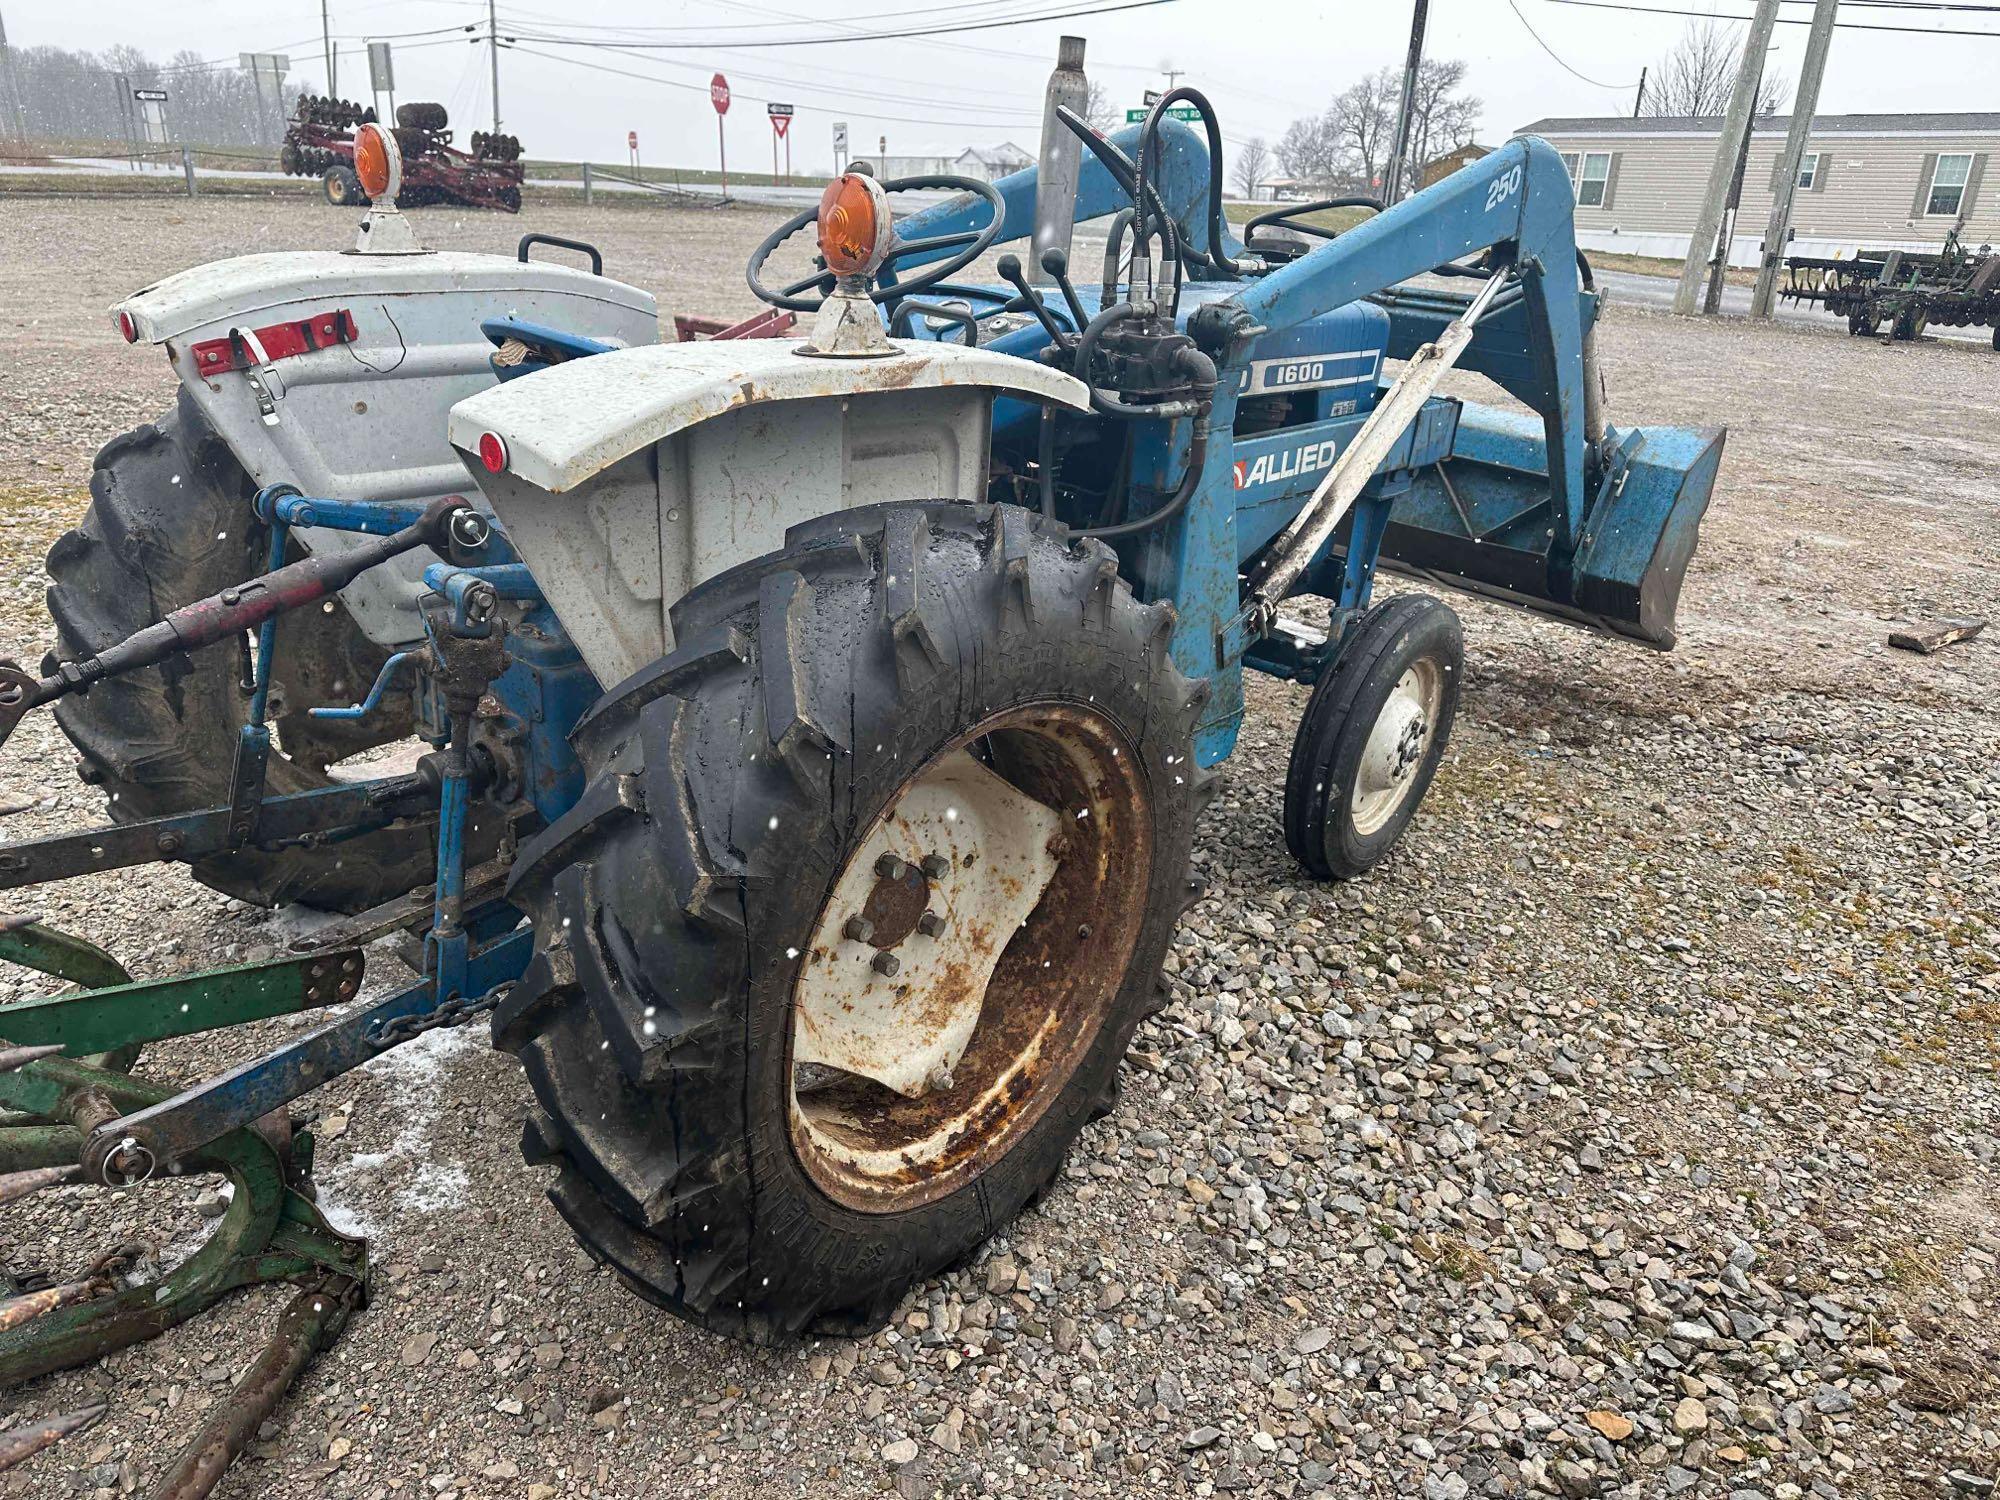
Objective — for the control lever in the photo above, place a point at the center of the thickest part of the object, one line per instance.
(1055, 260)
(1009, 267)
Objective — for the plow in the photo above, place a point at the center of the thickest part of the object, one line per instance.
(806, 733)
(1901, 291)
(320, 141)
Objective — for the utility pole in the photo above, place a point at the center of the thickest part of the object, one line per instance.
(493, 37)
(326, 37)
(1392, 182)
(1718, 263)
(1735, 129)
(1778, 232)
(1639, 104)
(17, 107)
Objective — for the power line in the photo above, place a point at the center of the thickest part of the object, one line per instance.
(871, 36)
(968, 48)
(702, 88)
(901, 96)
(1654, 10)
(894, 15)
(1595, 82)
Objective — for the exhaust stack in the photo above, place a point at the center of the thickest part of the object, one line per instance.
(1062, 158)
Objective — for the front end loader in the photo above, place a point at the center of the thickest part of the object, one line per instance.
(816, 727)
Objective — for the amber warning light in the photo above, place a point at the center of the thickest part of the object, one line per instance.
(378, 163)
(854, 225)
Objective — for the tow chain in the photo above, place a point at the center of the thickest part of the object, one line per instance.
(456, 1011)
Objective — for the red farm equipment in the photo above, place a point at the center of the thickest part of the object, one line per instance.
(319, 142)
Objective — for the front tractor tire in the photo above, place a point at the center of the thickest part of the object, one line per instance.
(1372, 735)
(868, 891)
(169, 522)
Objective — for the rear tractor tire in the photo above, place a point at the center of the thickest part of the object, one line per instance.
(343, 187)
(868, 891)
(170, 522)
(422, 116)
(1372, 735)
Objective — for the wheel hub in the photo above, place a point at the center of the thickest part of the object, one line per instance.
(884, 998)
(1397, 745)
(966, 956)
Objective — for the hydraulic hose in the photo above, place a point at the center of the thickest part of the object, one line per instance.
(1201, 372)
(1114, 244)
(1045, 461)
(1148, 133)
(1114, 406)
(1183, 492)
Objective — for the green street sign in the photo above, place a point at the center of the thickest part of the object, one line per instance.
(1178, 112)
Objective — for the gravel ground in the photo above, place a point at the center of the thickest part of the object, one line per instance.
(1631, 1132)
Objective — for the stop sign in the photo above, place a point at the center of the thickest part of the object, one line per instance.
(631, 140)
(718, 94)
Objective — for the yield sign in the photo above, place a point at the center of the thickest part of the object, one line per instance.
(781, 124)
(718, 94)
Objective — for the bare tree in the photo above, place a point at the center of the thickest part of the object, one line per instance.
(85, 99)
(1441, 117)
(1696, 78)
(1311, 151)
(1100, 111)
(1253, 165)
(1363, 119)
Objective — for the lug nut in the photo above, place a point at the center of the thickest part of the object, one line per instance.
(930, 924)
(887, 965)
(889, 867)
(860, 929)
(936, 867)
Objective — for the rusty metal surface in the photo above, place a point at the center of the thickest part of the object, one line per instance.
(16, 1312)
(18, 1185)
(30, 1438)
(311, 1322)
(1044, 949)
(907, 1029)
(12, 1057)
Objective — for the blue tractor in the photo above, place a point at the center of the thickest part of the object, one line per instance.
(819, 724)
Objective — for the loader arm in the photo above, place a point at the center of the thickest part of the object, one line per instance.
(1519, 197)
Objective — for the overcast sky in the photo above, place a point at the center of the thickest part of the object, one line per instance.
(1264, 62)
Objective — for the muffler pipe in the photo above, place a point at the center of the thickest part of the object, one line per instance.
(1062, 158)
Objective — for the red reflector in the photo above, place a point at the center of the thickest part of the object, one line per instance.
(493, 452)
(129, 328)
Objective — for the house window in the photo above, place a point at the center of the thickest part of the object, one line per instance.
(1948, 183)
(1590, 181)
(1571, 161)
(1808, 170)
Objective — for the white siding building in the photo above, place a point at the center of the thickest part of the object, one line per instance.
(1866, 182)
(987, 163)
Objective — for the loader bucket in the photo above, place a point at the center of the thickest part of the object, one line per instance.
(1481, 522)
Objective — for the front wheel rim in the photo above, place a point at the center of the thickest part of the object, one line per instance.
(1399, 742)
(1023, 848)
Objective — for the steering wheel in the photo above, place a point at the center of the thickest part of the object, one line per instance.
(1281, 218)
(970, 244)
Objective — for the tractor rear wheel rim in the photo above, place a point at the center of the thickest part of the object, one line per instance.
(1397, 745)
(968, 956)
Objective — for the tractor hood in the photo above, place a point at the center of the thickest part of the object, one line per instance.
(566, 424)
(237, 290)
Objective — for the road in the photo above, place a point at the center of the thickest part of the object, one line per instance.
(1638, 290)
